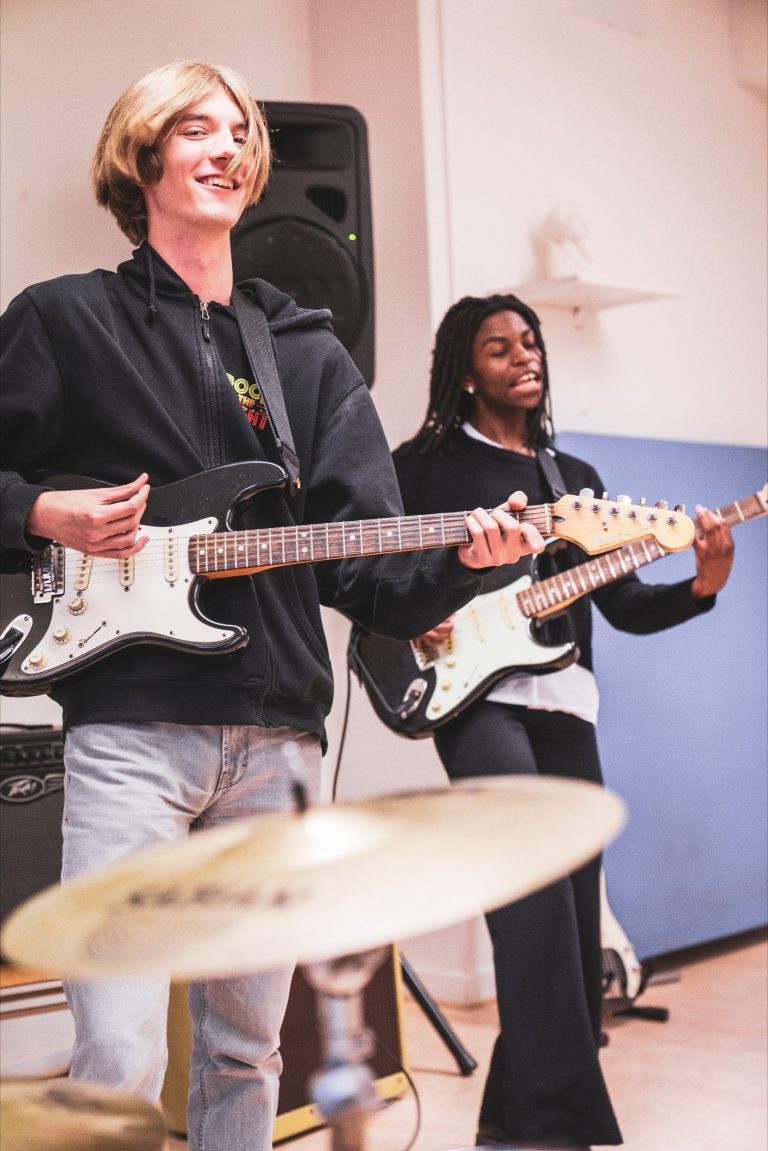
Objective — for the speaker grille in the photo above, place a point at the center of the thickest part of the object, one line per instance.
(310, 235)
(31, 809)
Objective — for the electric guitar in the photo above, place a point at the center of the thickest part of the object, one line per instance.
(415, 687)
(68, 609)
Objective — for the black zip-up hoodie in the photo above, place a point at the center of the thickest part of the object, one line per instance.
(109, 374)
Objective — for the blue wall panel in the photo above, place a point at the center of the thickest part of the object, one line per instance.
(683, 725)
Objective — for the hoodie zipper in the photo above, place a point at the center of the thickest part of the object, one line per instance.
(205, 321)
(213, 404)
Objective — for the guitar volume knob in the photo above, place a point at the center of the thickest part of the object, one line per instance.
(37, 660)
(77, 605)
(62, 635)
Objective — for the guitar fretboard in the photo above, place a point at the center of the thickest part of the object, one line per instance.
(231, 552)
(558, 591)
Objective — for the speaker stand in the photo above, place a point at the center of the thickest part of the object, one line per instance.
(464, 1060)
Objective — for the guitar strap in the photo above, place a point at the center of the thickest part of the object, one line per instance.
(261, 357)
(552, 474)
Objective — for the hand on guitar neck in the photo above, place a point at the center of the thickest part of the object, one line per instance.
(498, 537)
(713, 545)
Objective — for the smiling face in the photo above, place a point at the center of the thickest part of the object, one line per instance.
(198, 191)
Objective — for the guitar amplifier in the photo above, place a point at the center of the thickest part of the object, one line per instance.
(301, 1049)
(31, 808)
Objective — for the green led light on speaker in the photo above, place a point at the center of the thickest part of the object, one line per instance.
(352, 236)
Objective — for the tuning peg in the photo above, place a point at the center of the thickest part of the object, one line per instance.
(623, 499)
(680, 508)
(586, 493)
(662, 504)
(605, 495)
(641, 501)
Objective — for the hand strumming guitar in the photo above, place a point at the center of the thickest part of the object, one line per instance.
(97, 521)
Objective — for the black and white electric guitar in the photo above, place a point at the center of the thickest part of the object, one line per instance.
(67, 610)
(415, 687)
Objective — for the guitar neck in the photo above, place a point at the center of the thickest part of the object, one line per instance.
(742, 510)
(553, 594)
(241, 552)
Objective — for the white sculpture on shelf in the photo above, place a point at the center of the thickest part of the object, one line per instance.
(569, 279)
(563, 243)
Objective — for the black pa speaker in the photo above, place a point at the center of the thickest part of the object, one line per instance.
(310, 235)
(31, 808)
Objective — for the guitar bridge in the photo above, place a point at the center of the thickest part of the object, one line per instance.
(48, 574)
(424, 654)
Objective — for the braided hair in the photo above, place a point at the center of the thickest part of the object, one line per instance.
(449, 403)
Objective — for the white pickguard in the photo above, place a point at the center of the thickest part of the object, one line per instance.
(489, 634)
(148, 598)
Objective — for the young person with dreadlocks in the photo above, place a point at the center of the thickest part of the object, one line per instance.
(489, 429)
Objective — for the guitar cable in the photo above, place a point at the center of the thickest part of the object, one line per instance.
(343, 736)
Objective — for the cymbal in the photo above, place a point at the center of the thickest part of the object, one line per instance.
(61, 1115)
(300, 887)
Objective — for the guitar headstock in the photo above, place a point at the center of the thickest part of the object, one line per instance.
(599, 525)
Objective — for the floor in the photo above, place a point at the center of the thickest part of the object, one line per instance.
(698, 1082)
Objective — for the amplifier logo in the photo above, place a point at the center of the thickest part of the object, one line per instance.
(26, 788)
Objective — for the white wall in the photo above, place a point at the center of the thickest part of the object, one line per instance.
(664, 153)
(482, 116)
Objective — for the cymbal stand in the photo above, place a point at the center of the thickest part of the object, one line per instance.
(466, 1062)
(344, 1090)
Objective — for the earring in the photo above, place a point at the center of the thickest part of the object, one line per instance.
(470, 389)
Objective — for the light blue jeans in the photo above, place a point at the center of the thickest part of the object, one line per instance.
(132, 785)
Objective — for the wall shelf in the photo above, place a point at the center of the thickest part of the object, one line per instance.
(580, 293)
